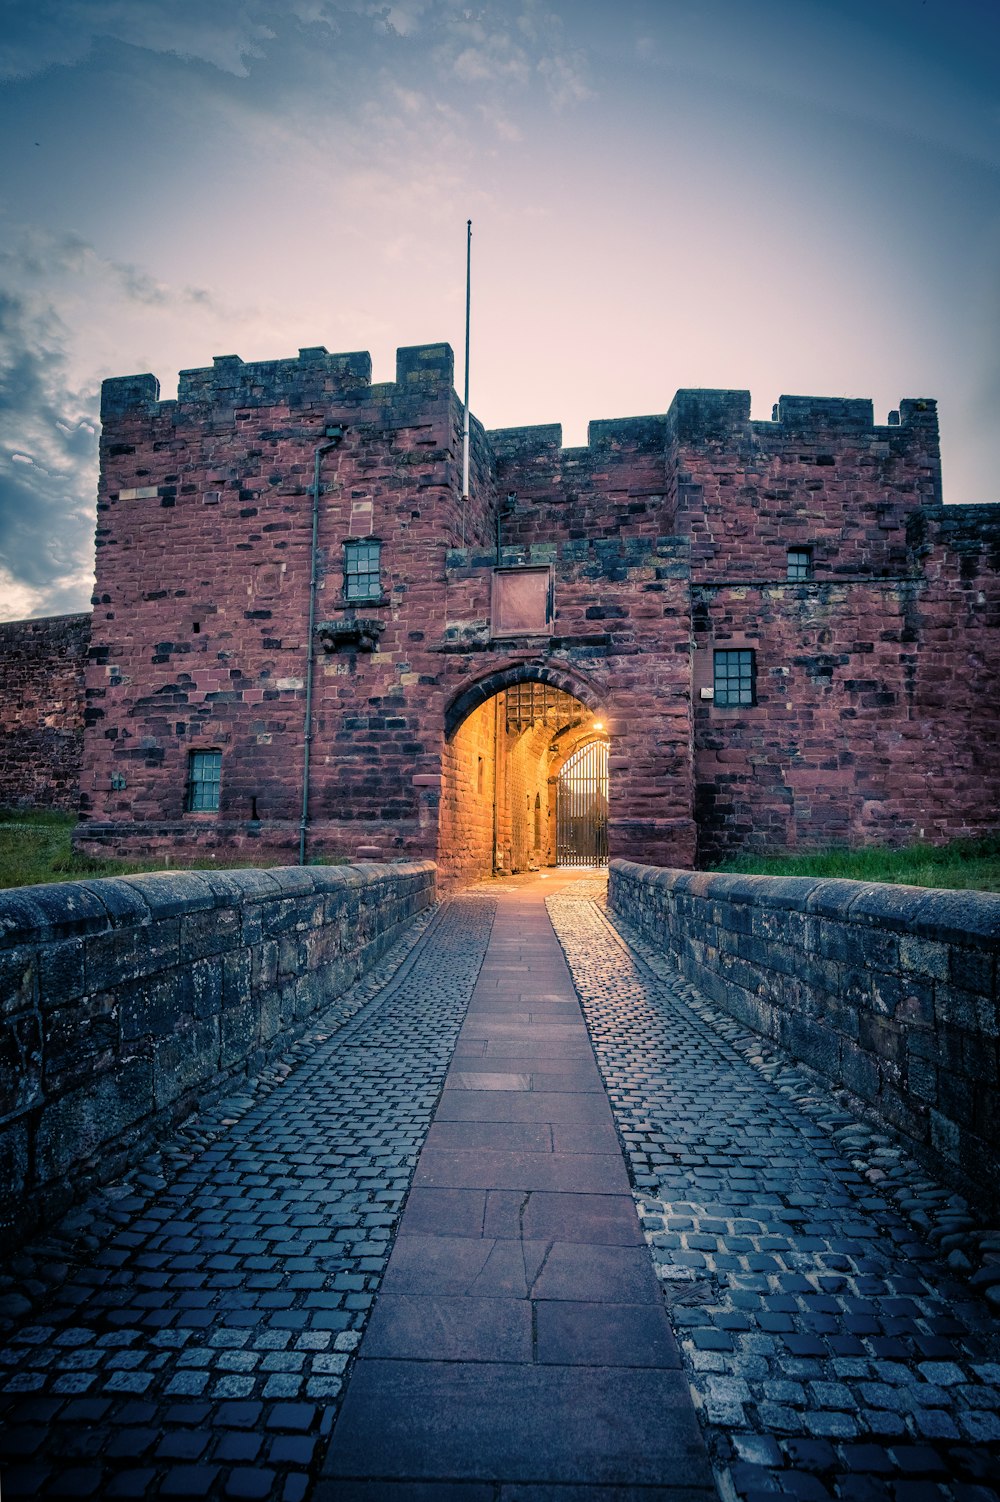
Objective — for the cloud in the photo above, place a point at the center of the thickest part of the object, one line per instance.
(64, 32)
(48, 467)
(62, 310)
(497, 48)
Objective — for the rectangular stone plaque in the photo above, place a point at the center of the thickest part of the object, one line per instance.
(521, 601)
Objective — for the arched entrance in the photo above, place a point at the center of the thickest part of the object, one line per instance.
(509, 737)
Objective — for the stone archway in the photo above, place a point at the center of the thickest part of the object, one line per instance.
(505, 733)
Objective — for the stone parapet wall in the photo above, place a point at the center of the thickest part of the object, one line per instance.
(42, 667)
(891, 992)
(125, 1001)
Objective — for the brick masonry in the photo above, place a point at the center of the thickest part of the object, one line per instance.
(889, 991)
(42, 667)
(126, 1001)
(666, 538)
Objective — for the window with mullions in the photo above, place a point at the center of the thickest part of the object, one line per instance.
(735, 677)
(362, 575)
(204, 777)
(800, 563)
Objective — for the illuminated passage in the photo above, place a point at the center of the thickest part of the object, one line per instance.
(525, 784)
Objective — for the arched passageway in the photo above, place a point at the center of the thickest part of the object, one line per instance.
(506, 805)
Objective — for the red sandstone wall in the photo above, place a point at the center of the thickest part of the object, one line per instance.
(821, 475)
(621, 644)
(42, 664)
(666, 536)
(465, 851)
(200, 636)
(877, 715)
(615, 486)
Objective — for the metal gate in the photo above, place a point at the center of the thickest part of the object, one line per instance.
(582, 808)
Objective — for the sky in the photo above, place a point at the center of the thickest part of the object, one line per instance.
(785, 196)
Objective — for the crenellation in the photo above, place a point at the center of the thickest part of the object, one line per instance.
(707, 416)
(121, 394)
(666, 539)
(643, 434)
(808, 416)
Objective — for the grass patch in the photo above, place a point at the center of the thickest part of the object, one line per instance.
(963, 864)
(35, 847)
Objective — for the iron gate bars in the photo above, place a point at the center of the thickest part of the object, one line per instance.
(582, 808)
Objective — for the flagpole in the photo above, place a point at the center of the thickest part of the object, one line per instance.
(468, 304)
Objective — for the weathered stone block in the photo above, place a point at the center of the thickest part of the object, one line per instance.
(923, 956)
(129, 954)
(921, 1077)
(811, 1042)
(74, 1128)
(18, 972)
(237, 978)
(859, 1071)
(973, 970)
(20, 1062)
(946, 1137)
(264, 961)
(61, 971)
(189, 1057)
(213, 932)
(14, 1161)
(240, 1030)
(204, 986)
(81, 1040)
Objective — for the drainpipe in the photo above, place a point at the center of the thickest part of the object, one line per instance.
(333, 437)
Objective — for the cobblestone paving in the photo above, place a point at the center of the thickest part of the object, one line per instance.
(831, 1350)
(190, 1330)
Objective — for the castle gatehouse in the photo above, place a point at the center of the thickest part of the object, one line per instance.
(700, 633)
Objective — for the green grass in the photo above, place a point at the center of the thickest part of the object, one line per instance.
(962, 864)
(35, 847)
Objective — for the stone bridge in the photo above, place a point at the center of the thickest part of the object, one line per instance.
(521, 1197)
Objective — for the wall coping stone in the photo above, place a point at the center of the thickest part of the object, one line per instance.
(127, 1001)
(29, 915)
(941, 913)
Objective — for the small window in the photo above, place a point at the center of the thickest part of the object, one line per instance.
(735, 677)
(800, 563)
(204, 776)
(362, 577)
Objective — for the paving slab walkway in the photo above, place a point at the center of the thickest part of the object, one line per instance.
(519, 1348)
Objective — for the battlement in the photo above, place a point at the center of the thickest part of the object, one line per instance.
(704, 416)
(521, 443)
(421, 369)
(698, 416)
(707, 416)
(646, 434)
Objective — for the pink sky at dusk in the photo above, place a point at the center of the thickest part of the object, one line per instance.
(785, 196)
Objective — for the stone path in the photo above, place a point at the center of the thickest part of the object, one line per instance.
(744, 1300)
(202, 1316)
(831, 1351)
(519, 1336)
